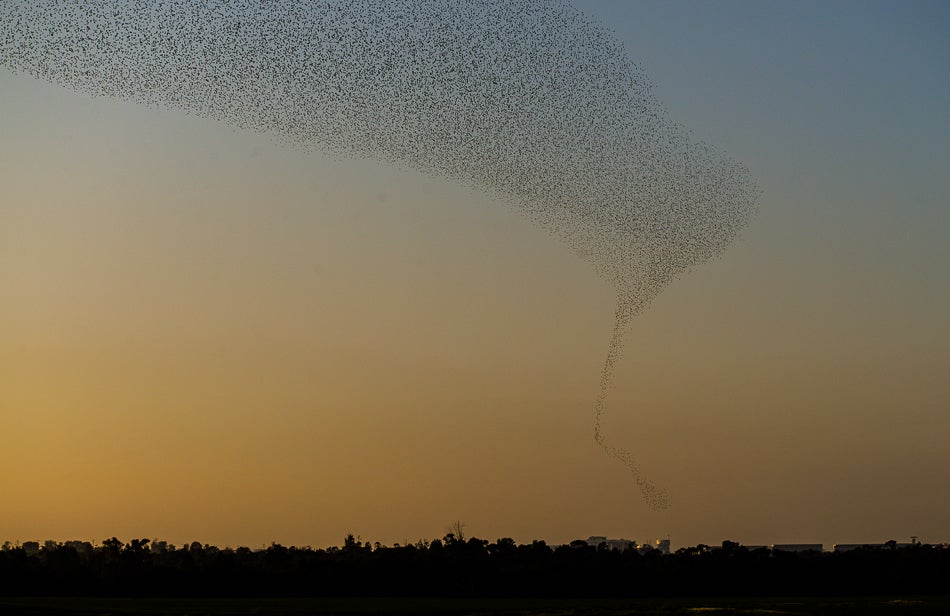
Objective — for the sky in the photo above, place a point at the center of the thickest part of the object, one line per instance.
(207, 335)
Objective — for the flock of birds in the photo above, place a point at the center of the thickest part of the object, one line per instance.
(529, 101)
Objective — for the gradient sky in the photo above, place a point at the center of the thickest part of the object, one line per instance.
(208, 336)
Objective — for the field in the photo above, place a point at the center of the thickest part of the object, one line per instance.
(86, 606)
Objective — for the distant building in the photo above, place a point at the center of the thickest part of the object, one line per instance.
(797, 547)
(612, 544)
(660, 545)
(645, 548)
(850, 547)
(621, 544)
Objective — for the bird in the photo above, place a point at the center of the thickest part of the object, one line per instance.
(533, 103)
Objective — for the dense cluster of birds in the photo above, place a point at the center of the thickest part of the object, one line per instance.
(529, 101)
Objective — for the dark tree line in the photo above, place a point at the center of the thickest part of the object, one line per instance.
(456, 567)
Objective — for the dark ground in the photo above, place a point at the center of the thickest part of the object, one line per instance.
(87, 606)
